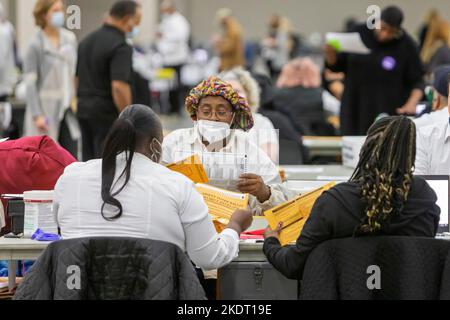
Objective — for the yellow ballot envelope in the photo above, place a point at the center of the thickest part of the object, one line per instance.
(222, 204)
(192, 168)
(294, 214)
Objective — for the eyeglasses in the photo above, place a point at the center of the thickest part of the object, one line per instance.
(209, 114)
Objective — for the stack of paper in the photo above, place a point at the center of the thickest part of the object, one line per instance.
(294, 214)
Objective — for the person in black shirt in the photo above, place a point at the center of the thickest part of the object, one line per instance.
(382, 198)
(104, 74)
(388, 80)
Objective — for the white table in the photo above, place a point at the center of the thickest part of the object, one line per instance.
(13, 250)
(251, 250)
(303, 187)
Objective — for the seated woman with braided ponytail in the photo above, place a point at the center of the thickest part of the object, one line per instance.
(383, 197)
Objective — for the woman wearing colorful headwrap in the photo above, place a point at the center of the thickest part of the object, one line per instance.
(227, 154)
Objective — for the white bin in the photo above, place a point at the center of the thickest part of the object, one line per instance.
(39, 213)
(351, 148)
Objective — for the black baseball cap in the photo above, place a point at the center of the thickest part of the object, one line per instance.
(442, 80)
(393, 16)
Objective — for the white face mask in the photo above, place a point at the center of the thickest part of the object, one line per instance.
(213, 131)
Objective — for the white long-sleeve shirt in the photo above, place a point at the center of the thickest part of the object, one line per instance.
(157, 204)
(174, 42)
(433, 149)
(440, 116)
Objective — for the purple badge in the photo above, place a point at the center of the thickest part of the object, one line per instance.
(389, 63)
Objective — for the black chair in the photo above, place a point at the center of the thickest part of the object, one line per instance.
(406, 268)
(111, 269)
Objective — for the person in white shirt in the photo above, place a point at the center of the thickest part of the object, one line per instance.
(8, 74)
(129, 194)
(173, 44)
(433, 144)
(222, 119)
(440, 99)
(263, 132)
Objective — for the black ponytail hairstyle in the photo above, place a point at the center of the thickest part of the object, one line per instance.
(136, 128)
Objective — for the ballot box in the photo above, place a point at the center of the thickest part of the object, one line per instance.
(255, 281)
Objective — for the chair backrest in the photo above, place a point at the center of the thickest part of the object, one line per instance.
(377, 268)
(111, 269)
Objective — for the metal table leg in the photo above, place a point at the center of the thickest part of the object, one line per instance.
(12, 270)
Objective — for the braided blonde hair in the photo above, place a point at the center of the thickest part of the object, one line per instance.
(385, 171)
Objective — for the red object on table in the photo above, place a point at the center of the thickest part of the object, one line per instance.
(253, 235)
(31, 163)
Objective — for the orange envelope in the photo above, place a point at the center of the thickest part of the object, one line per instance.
(222, 204)
(192, 168)
(294, 214)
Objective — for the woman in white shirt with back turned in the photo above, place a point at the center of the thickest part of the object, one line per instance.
(128, 194)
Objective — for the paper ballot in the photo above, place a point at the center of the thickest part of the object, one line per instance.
(222, 204)
(347, 42)
(294, 214)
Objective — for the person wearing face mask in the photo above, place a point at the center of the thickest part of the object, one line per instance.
(49, 74)
(105, 74)
(222, 119)
(128, 193)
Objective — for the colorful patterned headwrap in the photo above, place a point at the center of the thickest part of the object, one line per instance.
(215, 87)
